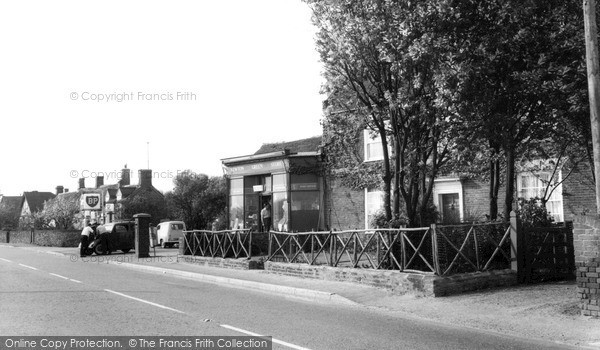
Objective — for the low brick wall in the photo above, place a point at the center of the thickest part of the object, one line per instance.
(239, 264)
(586, 240)
(51, 238)
(400, 283)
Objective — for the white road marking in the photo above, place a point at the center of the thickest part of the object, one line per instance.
(144, 301)
(5, 260)
(76, 281)
(63, 277)
(29, 267)
(280, 342)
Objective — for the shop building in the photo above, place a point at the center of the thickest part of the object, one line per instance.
(287, 176)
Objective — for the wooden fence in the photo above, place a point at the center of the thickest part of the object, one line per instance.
(442, 250)
(547, 254)
(223, 244)
(537, 254)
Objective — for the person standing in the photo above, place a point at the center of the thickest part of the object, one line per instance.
(85, 238)
(265, 217)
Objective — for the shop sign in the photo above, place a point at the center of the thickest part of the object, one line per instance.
(256, 168)
(91, 201)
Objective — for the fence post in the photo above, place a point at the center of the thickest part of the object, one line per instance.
(270, 250)
(434, 250)
(517, 247)
(402, 250)
(249, 245)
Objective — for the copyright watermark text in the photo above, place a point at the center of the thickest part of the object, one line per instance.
(133, 96)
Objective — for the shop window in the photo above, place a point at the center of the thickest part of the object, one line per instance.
(279, 182)
(305, 210)
(280, 211)
(305, 182)
(236, 187)
(236, 212)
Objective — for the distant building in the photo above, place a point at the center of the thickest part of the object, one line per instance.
(10, 211)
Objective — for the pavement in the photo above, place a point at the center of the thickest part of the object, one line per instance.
(546, 311)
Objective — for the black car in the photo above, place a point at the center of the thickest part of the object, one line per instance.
(119, 236)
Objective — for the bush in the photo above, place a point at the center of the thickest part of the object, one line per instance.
(531, 213)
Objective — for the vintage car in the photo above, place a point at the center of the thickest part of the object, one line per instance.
(118, 235)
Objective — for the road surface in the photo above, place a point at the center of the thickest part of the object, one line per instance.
(44, 294)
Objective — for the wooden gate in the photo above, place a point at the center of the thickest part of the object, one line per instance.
(546, 253)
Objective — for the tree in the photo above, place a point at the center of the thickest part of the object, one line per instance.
(148, 202)
(62, 210)
(509, 66)
(380, 62)
(198, 199)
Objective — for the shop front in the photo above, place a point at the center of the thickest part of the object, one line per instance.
(289, 182)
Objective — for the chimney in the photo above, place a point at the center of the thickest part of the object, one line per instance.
(99, 181)
(145, 178)
(66, 190)
(59, 190)
(125, 176)
(81, 183)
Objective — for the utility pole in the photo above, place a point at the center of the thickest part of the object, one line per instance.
(593, 72)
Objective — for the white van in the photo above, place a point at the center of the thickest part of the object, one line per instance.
(169, 232)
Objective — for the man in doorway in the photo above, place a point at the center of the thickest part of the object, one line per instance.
(265, 217)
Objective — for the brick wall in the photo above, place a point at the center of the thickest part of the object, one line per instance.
(51, 238)
(399, 283)
(344, 207)
(586, 240)
(579, 193)
(476, 198)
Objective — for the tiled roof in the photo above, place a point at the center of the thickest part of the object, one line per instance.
(305, 145)
(12, 203)
(36, 199)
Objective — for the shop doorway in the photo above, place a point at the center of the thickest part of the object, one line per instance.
(264, 199)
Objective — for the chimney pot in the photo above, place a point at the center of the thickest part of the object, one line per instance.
(145, 178)
(81, 183)
(59, 189)
(125, 176)
(99, 181)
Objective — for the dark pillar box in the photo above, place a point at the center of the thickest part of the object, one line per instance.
(142, 235)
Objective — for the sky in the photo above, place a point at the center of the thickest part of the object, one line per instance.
(87, 87)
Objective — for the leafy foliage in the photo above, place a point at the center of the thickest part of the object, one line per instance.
(532, 213)
(62, 211)
(147, 202)
(198, 199)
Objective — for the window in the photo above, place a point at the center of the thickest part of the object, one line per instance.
(373, 147)
(373, 203)
(236, 203)
(531, 185)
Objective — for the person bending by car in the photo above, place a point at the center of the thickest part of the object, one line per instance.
(85, 238)
(103, 235)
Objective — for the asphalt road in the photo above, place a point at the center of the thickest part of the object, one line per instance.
(44, 294)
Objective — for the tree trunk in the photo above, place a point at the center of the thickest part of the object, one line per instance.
(510, 180)
(494, 187)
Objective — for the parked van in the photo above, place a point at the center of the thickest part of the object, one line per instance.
(169, 232)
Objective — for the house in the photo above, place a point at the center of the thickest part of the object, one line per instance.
(140, 198)
(305, 197)
(34, 201)
(10, 211)
(460, 198)
(286, 175)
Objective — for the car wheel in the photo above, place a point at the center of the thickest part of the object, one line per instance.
(125, 250)
(98, 249)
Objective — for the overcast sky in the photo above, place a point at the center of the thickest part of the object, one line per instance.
(198, 80)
